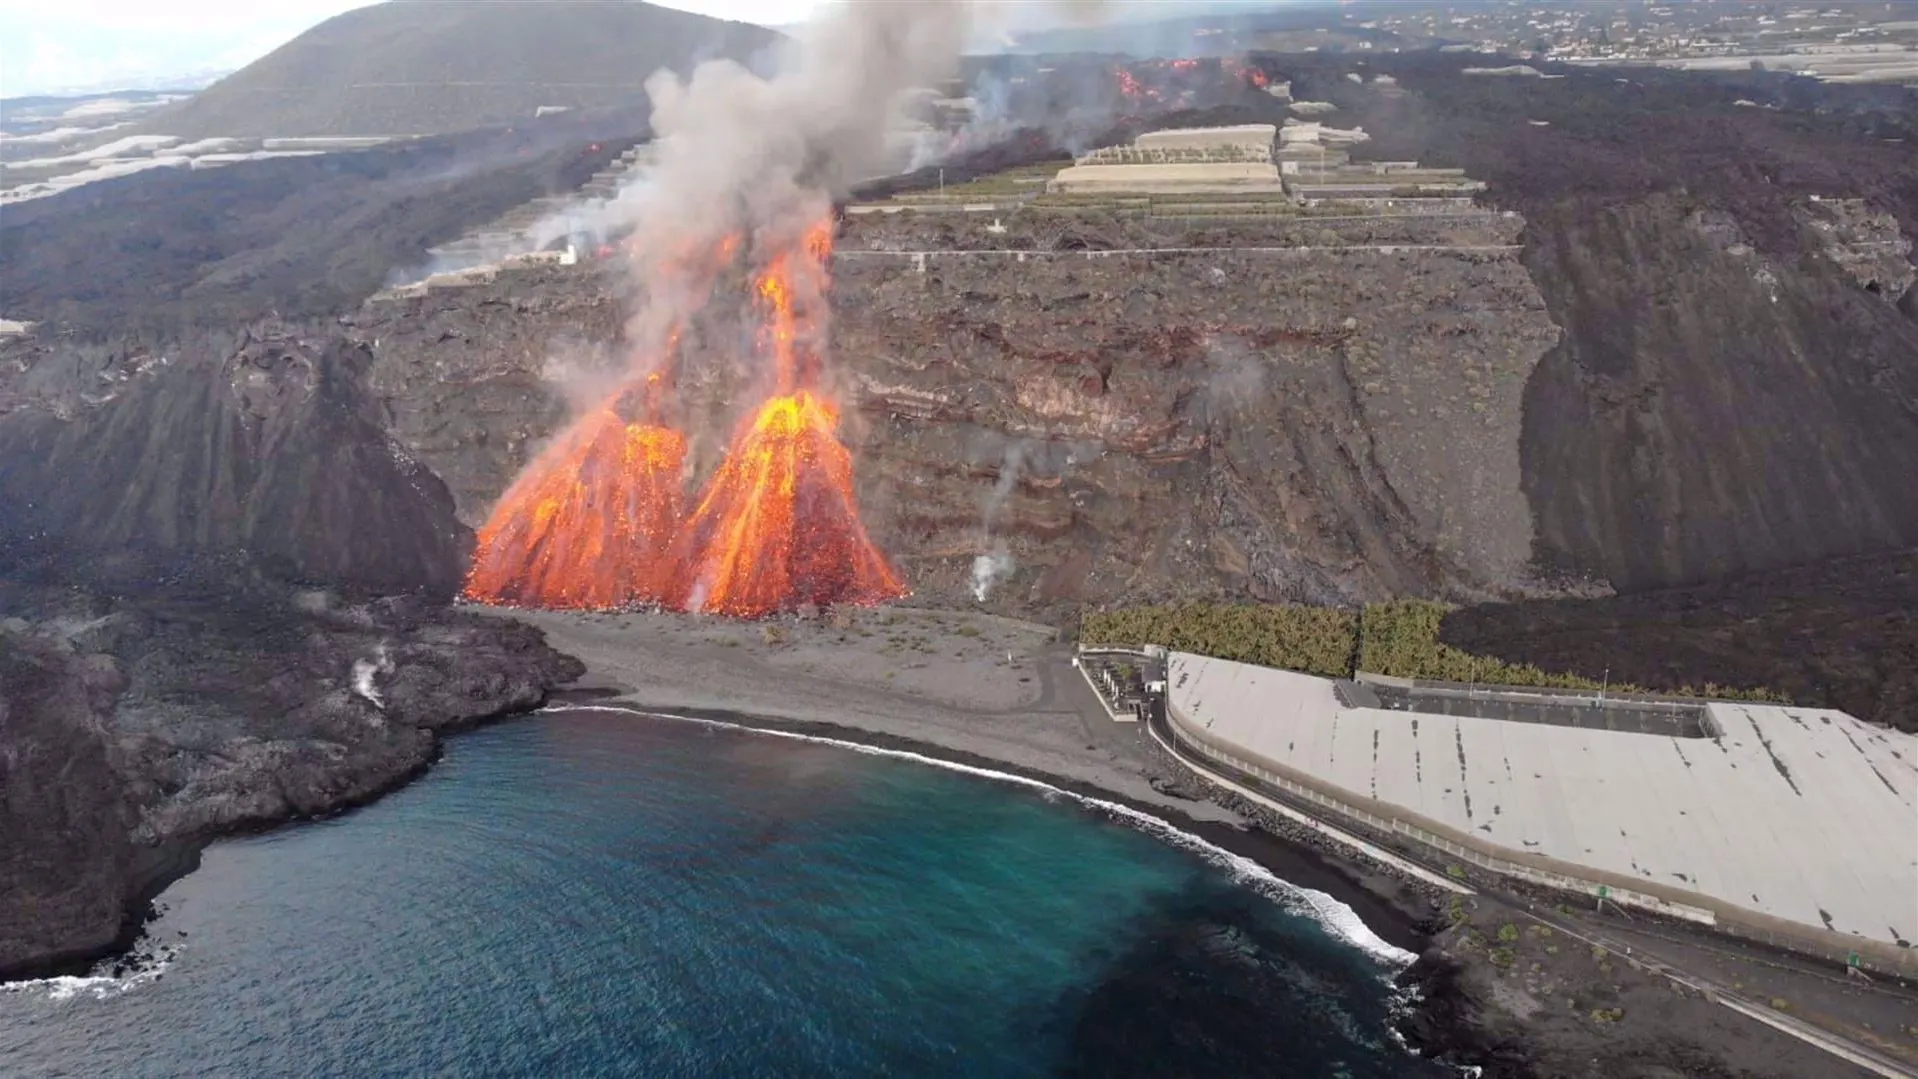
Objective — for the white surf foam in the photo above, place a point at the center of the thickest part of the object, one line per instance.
(98, 986)
(1335, 916)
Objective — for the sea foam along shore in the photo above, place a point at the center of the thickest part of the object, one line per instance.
(108, 977)
(1337, 918)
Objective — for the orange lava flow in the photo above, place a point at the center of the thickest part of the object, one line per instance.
(590, 524)
(596, 521)
(779, 525)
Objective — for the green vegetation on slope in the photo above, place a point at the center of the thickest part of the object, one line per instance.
(1398, 639)
(1402, 640)
(1317, 640)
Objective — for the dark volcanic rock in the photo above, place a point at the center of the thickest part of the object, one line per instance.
(1713, 409)
(206, 695)
(1735, 390)
(303, 237)
(1838, 634)
(415, 69)
(273, 448)
(134, 729)
(67, 857)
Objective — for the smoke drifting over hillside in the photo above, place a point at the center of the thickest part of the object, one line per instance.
(740, 155)
(761, 157)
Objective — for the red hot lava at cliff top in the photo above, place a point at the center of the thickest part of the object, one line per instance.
(596, 521)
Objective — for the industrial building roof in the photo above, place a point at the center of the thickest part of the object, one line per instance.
(1192, 176)
(1804, 814)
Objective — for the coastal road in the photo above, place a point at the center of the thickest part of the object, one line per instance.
(1653, 960)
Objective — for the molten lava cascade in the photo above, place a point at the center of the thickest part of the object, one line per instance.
(778, 524)
(596, 520)
(591, 522)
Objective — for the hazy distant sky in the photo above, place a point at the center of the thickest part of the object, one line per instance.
(55, 45)
(73, 45)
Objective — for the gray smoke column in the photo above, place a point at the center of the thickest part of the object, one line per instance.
(761, 157)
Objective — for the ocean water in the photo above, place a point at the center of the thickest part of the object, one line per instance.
(587, 893)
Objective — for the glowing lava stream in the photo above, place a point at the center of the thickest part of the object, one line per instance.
(590, 523)
(596, 521)
(779, 525)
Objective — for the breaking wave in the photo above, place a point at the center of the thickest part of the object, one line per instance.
(1337, 918)
(147, 968)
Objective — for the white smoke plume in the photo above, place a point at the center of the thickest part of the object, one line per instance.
(989, 569)
(761, 158)
(364, 672)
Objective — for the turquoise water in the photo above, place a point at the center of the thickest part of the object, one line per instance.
(585, 893)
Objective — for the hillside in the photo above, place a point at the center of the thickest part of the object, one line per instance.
(409, 67)
(1735, 390)
(296, 236)
(1679, 360)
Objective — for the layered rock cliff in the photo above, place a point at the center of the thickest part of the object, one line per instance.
(1328, 423)
(1636, 397)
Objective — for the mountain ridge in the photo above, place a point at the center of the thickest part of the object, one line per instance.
(416, 68)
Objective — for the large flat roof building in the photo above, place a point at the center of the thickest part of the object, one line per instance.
(1761, 813)
(1181, 160)
(1251, 139)
(1196, 176)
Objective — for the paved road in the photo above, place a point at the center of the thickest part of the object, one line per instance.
(1657, 960)
(1386, 249)
(1653, 962)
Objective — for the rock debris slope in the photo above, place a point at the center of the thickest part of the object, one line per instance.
(268, 447)
(162, 679)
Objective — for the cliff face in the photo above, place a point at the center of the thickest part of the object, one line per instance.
(1714, 409)
(1280, 424)
(270, 447)
(471, 376)
(135, 729)
(203, 696)
(66, 852)
(1327, 424)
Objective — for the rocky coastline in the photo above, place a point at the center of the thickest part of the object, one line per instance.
(447, 669)
(140, 730)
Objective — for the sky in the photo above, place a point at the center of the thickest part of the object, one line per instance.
(83, 45)
(55, 46)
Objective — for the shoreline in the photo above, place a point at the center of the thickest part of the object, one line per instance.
(1001, 697)
(175, 859)
(1401, 920)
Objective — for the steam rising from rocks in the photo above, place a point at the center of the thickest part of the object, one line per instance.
(996, 564)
